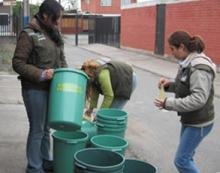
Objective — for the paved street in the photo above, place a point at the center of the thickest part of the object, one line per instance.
(152, 134)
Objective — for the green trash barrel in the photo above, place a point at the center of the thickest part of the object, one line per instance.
(98, 160)
(64, 147)
(67, 99)
(110, 142)
(133, 166)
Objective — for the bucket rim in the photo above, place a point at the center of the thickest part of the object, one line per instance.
(109, 125)
(98, 167)
(106, 117)
(113, 122)
(71, 70)
(110, 136)
(62, 139)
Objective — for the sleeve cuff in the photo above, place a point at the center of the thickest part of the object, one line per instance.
(169, 103)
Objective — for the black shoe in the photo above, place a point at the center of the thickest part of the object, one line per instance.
(48, 166)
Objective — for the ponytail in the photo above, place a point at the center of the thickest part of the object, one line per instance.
(196, 44)
(193, 44)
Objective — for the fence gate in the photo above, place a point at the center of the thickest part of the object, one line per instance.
(8, 25)
(104, 30)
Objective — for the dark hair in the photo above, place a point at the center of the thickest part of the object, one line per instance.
(194, 43)
(50, 7)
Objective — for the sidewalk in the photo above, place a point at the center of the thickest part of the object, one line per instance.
(144, 61)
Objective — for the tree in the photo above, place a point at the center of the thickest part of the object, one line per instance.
(18, 8)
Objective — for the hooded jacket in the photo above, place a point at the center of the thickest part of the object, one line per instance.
(194, 90)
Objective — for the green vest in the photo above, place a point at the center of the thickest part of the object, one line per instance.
(202, 115)
(46, 54)
(121, 75)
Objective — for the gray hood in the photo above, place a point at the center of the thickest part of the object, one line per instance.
(198, 58)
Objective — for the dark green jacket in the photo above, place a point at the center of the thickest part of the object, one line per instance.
(35, 52)
(202, 115)
(121, 78)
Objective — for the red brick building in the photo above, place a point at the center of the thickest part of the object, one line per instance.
(139, 22)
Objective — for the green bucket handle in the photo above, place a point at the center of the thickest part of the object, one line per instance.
(71, 142)
(116, 149)
(99, 124)
(120, 118)
(80, 166)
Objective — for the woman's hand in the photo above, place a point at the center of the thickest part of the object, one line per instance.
(159, 103)
(47, 74)
(88, 112)
(163, 81)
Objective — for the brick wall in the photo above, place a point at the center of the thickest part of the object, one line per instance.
(89, 6)
(138, 28)
(202, 18)
(199, 18)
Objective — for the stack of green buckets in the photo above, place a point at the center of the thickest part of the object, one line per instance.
(112, 122)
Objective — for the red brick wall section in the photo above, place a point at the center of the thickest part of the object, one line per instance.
(138, 28)
(198, 18)
(89, 5)
(114, 9)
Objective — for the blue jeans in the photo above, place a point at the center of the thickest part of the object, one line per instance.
(38, 142)
(119, 102)
(190, 138)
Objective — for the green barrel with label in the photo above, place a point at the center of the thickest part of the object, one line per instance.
(67, 99)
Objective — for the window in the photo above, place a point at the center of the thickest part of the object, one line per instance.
(106, 3)
(125, 2)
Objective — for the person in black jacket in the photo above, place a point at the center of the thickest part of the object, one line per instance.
(38, 52)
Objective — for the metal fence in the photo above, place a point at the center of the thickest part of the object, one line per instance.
(9, 25)
(104, 30)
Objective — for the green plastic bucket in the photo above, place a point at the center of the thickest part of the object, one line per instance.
(113, 122)
(111, 131)
(137, 166)
(98, 160)
(112, 114)
(67, 99)
(64, 147)
(110, 142)
(109, 125)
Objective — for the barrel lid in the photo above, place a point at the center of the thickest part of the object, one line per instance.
(71, 70)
